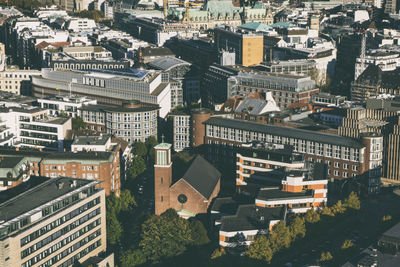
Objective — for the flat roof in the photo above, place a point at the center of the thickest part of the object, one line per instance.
(319, 137)
(38, 195)
(91, 140)
(278, 194)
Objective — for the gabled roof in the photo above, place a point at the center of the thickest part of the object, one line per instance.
(202, 176)
(373, 75)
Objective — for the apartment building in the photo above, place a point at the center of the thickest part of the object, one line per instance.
(13, 171)
(27, 126)
(180, 123)
(86, 164)
(386, 61)
(133, 121)
(346, 157)
(248, 47)
(68, 105)
(60, 221)
(108, 87)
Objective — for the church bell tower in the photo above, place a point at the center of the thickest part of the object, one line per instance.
(162, 177)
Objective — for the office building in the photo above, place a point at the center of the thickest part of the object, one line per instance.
(13, 171)
(108, 87)
(248, 47)
(180, 123)
(133, 121)
(60, 221)
(68, 105)
(346, 157)
(86, 164)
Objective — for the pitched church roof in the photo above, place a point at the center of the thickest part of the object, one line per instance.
(202, 176)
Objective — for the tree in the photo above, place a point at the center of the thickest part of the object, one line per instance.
(338, 208)
(260, 249)
(78, 124)
(114, 229)
(199, 233)
(218, 252)
(347, 244)
(325, 256)
(352, 201)
(163, 237)
(151, 142)
(138, 166)
(297, 228)
(131, 258)
(312, 216)
(139, 149)
(127, 200)
(279, 236)
(327, 211)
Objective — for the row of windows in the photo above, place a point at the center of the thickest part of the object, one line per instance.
(81, 254)
(64, 241)
(71, 249)
(29, 238)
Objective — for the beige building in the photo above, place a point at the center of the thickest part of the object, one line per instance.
(56, 223)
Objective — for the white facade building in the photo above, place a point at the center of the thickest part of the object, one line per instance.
(81, 24)
(69, 105)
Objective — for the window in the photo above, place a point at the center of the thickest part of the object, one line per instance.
(83, 168)
(336, 173)
(355, 168)
(337, 164)
(345, 166)
(329, 150)
(345, 174)
(162, 198)
(162, 180)
(336, 152)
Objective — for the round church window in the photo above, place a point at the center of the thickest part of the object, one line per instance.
(182, 198)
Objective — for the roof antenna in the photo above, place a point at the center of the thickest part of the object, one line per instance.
(162, 138)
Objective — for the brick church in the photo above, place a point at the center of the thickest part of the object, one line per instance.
(190, 193)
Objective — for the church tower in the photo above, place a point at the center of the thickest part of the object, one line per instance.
(162, 177)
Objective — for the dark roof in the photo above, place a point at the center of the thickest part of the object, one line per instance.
(202, 176)
(251, 217)
(9, 162)
(319, 137)
(225, 205)
(37, 196)
(373, 75)
(276, 194)
(393, 232)
(156, 51)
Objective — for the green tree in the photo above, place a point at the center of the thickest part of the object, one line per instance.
(218, 252)
(114, 229)
(297, 228)
(199, 233)
(352, 201)
(279, 236)
(163, 237)
(260, 249)
(325, 256)
(138, 166)
(327, 211)
(347, 244)
(338, 208)
(151, 142)
(386, 218)
(312, 216)
(127, 200)
(139, 149)
(131, 258)
(78, 124)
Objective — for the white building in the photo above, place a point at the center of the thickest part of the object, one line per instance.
(69, 105)
(33, 127)
(181, 131)
(386, 61)
(80, 25)
(92, 143)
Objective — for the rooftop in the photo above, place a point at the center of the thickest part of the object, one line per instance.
(277, 194)
(319, 137)
(39, 195)
(167, 63)
(251, 217)
(99, 140)
(9, 162)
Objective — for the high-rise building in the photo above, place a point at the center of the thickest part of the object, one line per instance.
(60, 221)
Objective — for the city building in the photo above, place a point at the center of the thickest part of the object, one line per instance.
(180, 123)
(59, 221)
(80, 24)
(189, 193)
(13, 171)
(374, 82)
(248, 47)
(68, 105)
(325, 99)
(387, 61)
(346, 157)
(109, 87)
(86, 164)
(26, 126)
(133, 121)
